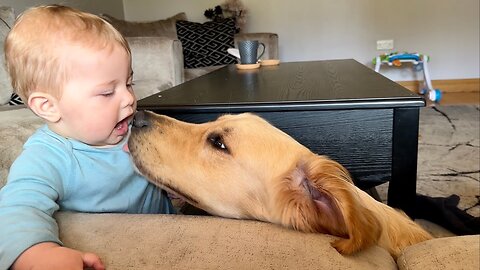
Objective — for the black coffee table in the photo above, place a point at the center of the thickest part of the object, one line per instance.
(338, 108)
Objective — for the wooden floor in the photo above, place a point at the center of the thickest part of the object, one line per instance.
(454, 92)
(459, 98)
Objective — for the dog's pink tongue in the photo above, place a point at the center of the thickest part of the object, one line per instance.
(125, 148)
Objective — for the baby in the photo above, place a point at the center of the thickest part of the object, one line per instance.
(73, 70)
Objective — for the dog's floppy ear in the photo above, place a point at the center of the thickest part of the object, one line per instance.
(318, 196)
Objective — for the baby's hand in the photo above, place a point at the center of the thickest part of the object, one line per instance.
(52, 256)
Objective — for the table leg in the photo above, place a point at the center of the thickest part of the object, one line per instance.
(403, 185)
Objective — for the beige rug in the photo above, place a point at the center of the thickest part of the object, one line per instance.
(448, 157)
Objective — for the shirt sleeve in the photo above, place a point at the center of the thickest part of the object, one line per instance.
(28, 202)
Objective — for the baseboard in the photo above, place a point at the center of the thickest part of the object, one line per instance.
(457, 85)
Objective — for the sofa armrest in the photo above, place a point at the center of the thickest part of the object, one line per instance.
(269, 39)
(459, 252)
(127, 241)
(157, 63)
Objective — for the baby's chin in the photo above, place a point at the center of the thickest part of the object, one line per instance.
(111, 142)
(118, 135)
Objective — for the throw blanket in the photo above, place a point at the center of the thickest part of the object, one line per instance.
(444, 211)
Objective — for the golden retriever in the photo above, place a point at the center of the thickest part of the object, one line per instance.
(240, 166)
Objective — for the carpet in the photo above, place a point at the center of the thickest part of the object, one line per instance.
(448, 157)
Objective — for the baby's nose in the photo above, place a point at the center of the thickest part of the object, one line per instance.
(141, 119)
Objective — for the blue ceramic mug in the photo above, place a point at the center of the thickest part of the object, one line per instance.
(248, 50)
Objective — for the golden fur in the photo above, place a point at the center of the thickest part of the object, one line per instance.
(240, 166)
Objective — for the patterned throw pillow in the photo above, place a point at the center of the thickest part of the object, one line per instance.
(15, 100)
(206, 44)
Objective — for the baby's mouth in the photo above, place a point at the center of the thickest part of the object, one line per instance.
(122, 127)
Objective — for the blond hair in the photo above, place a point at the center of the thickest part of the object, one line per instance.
(32, 54)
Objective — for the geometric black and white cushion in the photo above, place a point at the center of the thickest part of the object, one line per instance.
(15, 100)
(206, 44)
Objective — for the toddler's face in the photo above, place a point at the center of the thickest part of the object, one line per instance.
(97, 101)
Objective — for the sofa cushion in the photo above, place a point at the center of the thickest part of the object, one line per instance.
(206, 44)
(18, 123)
(159, 28)
(7, 19)
(157, 64)
(461, 252)
(127, 241)
(145, 88)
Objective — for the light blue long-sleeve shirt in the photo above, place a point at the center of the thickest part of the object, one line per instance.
(53, 173)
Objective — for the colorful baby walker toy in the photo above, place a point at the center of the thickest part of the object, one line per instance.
(419, 61)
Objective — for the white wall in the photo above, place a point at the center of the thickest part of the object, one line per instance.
(446, 30)
(113, 7)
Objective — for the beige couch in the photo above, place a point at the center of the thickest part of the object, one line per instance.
(127, 241)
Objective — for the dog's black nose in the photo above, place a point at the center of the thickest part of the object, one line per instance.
(141, 119)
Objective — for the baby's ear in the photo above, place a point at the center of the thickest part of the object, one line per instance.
(45, 106)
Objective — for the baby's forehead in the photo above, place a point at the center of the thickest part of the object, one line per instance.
(73, 55)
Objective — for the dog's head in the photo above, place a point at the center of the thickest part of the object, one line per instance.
(240, 166)
(223, 166)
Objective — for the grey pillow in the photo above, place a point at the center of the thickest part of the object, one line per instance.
(159, 28)
(7, 19)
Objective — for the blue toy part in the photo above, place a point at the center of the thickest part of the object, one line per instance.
(435, 95)
(404, 56)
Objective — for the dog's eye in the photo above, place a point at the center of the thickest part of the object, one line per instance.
(217, 141)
